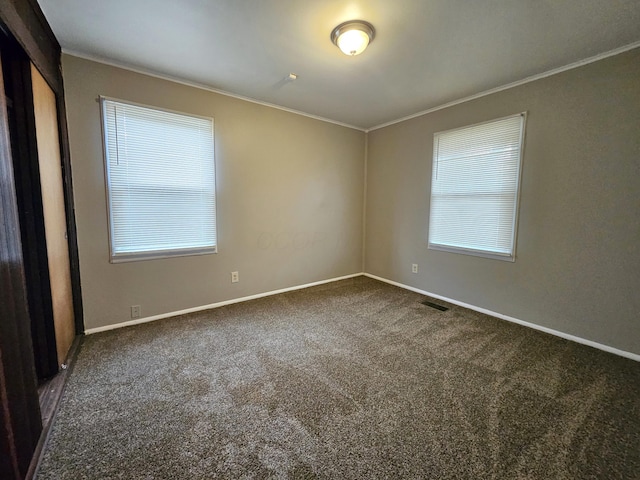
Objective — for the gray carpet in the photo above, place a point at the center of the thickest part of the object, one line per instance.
(349, 380)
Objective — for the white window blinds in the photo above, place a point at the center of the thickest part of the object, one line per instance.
(160, 175)
(474, 189)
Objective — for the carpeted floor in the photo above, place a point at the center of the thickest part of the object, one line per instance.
(350, 380)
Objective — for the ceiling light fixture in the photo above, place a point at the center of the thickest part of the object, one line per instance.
(352, 37)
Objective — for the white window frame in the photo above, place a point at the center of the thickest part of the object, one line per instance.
(467, 250)
(119, 257)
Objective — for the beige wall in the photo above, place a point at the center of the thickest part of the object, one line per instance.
(578, 249)
(290, 199)
(290, 203)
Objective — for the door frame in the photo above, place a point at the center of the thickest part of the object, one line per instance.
(21, 428)
(24, 21)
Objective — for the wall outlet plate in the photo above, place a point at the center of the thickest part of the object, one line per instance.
(414, 268)
(235, 277)
(135, 311)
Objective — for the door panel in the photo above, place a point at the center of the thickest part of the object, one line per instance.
(44, 102)
(20, 424)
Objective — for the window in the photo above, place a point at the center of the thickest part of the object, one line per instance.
(474, 188)
(160, 176)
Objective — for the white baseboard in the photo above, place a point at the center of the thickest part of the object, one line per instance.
(138, 321)
(573, 338)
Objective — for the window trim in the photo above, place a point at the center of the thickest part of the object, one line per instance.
(154, 254)
(478, 252)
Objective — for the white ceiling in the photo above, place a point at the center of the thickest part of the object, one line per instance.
(426, 52)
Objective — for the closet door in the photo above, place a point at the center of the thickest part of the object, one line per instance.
(47, 139)
(20, 423)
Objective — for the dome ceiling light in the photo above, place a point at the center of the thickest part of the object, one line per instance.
(352, 37)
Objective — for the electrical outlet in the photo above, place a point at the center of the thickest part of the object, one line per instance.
(414, 268)
(235, 277)
(135, 311)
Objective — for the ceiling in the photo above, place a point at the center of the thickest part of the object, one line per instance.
(426, 52)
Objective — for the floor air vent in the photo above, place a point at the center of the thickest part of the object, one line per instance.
(435, 305)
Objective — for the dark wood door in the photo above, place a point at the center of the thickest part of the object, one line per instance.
(16, 68)
(20, 423)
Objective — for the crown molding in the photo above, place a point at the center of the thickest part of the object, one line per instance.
(201, 86)
(532, 78)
